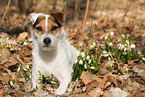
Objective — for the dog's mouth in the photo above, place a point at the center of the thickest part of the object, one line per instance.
(46, 45)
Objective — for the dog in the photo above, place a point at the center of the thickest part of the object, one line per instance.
(52, 53)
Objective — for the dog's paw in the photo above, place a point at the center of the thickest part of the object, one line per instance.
(59, 91)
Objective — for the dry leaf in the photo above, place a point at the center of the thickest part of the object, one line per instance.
(22, 36)
(88, 77)
(95, 93)
(115, 92)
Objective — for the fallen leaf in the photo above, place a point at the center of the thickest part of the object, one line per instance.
(22, 36)
(88, 77)
(115, 92)
(95, 93)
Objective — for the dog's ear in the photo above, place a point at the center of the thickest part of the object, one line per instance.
(59, 17)
(34, 17)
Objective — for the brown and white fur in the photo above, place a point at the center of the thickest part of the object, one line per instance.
(52, 52)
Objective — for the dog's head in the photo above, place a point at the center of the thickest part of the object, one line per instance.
(46, 28)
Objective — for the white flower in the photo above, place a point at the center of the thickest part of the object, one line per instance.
(120, 46)
(143, 58)
(112, 33)
(109, 58)
(93, 45)
(78, 53)
(76, 61)
(110, 44)
(25, 69)
(105, 54)
(127, 41)
(83, 54)
(25, 43)
(11, 83)
(27, 66)
(132, 46)
(125, 48)
(106, 37)
(90, 61)
(37, 73)
(92, 67)
(88, 57)
(81, 62)
(85, 66)
(123, 35)
(18, 69)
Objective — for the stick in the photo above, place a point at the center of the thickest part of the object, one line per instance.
(85, 17)
(5, 11)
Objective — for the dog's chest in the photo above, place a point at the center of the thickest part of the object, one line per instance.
(48, 62)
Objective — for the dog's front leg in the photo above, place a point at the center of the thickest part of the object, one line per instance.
(63, 85)
(35, 77)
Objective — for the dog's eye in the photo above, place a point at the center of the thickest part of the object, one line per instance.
(54, 28)
(39, 28)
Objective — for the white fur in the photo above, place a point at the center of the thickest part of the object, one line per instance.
(57, 59)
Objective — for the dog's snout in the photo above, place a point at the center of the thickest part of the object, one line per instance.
(47, 41)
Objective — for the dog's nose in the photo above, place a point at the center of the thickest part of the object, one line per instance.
(47, 41)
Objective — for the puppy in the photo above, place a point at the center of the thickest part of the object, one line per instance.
(52, 52)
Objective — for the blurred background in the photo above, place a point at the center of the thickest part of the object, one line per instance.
(84, 14)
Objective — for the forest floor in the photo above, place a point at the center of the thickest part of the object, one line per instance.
(114, 41)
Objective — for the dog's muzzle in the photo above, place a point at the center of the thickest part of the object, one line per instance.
(47, 41)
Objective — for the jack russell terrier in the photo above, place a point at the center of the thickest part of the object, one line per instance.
(52, 52)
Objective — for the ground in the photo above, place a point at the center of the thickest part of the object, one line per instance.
(113, 42)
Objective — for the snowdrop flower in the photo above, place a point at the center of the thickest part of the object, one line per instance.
(88, 57)
(123, 35)
(90, 61)
(125, 48)
(76, 61)
(127, 41)
(105, 54)
(83, 54)
(125, 68)
(25, 43)
(110, 44)
(92, 67)
(37, 73)
(78, 53)
(111, 33)
(18, 69)
(85, 66)
(132, 46)
(143, 58)
(11, 83)
(93, 45)
(27, 66)
(109, 58)
(25, 69)
(30, 75)
(106, 37)
(120, 46)
(81, 62)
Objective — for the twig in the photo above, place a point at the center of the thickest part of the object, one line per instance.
(5, 11)
(76, 11)
(126, 11)
(85, 17)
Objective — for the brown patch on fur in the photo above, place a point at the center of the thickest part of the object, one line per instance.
(41, 23)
